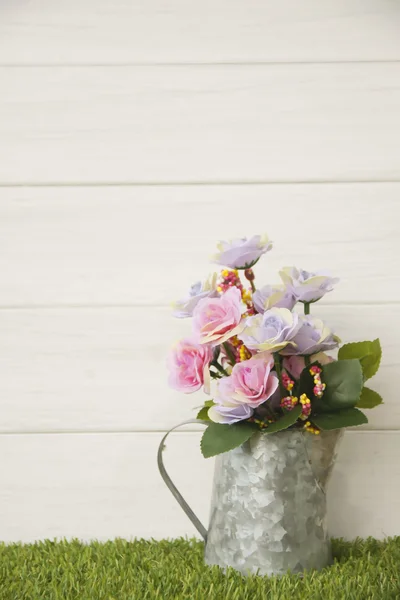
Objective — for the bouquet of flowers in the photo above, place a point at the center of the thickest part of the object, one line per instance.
(267, 362)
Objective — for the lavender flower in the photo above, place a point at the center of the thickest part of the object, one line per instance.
(229, 414)
(312, 337)
(242, 253)
(307, 286)
(272, 331)
(185, 307)
(269, 296)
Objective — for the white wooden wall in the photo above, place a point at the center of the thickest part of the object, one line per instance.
(133, 135)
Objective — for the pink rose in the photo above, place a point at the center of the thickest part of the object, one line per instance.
(188, 364)
(215, 320)
(250, 384)
(294, 365)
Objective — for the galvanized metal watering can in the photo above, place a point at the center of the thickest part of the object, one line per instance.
(268, 507)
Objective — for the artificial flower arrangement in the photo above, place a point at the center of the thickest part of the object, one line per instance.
(269, 361)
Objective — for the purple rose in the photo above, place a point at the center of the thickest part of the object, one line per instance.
(185, 307)
(269, 296)
(229, 414)
(312, 337)
(242, 253)
(271, 331)
(307, 286)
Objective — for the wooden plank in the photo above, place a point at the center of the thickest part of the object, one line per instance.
(147, 245)
(117, 31)
(105, 486)
(200, 124)
(104, 369)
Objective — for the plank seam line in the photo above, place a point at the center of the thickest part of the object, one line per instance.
(204, 183)
(128, 306)
(172, 64)
(146, 432)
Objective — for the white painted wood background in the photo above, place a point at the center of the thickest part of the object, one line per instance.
(133, 135)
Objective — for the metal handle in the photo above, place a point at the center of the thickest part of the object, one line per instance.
(170, 485)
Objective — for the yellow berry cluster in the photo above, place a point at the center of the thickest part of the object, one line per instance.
(261, 424)
(227, 272)
(319, 387)
(311, 429)
(246, 296)
(289, 402)
(244, 353)
(230, 278)
(306, 406)
(288, 383)
(235, 341)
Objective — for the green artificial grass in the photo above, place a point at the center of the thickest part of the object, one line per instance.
(141, 570)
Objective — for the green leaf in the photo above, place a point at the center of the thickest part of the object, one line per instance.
(369, 398)
(349, 417)
(286, 421)
(368, 353)
(344, 381)
(203, 412)
(219, 438)
(247, 265)
(209, 403)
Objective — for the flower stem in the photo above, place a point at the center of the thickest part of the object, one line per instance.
(215, 375)
(229, 353)
(272, 412)
(269, 412)
(279, 373)
(219, 368)
(249, 274)
(307, 312)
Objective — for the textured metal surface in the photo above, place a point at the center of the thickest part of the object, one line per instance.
(268, 509)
